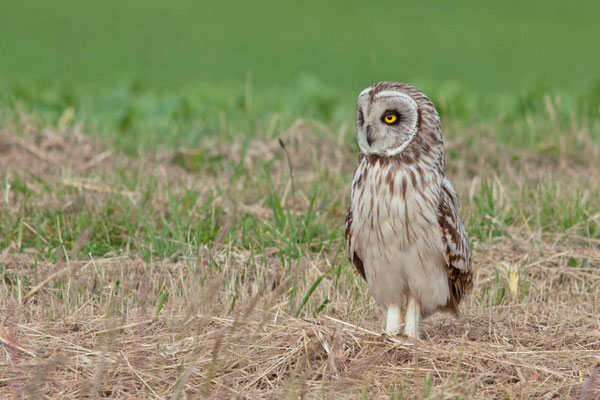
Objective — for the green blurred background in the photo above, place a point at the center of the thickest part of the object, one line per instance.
(132, 61)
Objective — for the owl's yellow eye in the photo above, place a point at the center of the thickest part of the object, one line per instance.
(390, 118)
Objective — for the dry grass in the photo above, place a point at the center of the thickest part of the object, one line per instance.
(218, 320)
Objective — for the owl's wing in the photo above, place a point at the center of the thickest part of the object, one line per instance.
(352, 256)
(458, 258)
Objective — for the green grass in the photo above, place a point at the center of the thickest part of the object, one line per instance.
(157, 238)
(489, 48)
(152, 218)
(135, 117)
(163, 229)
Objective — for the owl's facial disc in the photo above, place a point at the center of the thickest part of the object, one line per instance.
(386, 122)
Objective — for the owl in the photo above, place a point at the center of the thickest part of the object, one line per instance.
(403, 231)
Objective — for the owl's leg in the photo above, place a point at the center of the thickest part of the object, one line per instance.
(393, 320)
(412, 318)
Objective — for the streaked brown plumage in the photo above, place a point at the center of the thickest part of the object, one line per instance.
(403, 232)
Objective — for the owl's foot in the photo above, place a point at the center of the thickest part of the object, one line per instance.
(412, 318)
(393, 321)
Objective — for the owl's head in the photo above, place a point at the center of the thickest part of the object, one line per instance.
(390, 116)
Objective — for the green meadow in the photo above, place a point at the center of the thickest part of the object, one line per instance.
(488, 48)
(143, 63)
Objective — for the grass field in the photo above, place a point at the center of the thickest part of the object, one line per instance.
(488, 48)
(207, 271)
(157, 241)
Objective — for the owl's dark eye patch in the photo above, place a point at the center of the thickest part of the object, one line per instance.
(360, 118)
(391, 117)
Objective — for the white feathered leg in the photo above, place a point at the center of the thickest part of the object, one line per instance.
(393, 320)
(412, 318)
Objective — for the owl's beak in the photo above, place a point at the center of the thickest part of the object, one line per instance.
(370, 137)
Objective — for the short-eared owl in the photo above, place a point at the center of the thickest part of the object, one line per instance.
(403, 232)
